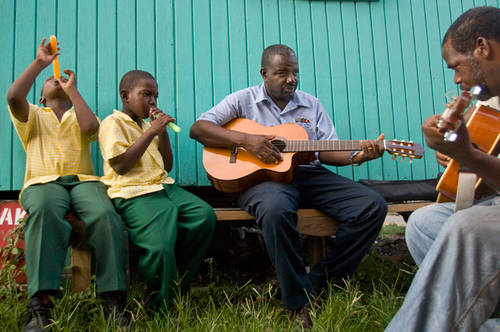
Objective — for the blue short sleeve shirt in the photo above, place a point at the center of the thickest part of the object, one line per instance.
(253, 103)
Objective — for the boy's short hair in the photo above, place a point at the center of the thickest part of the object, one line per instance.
(277, 49)
(130, 79)
(474, 23)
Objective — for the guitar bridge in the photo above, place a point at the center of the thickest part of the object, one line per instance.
(234, 155)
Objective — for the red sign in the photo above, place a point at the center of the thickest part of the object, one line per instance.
(10, 214)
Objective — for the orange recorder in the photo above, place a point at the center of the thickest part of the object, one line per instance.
(53, 45)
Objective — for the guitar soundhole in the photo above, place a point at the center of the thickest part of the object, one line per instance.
(279, 144)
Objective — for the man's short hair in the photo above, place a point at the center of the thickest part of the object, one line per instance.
(474, 23)
(277, 49)
(130, 79)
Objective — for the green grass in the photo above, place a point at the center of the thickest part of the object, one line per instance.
(221, 302)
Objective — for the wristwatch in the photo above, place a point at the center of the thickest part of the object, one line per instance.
(351, 157)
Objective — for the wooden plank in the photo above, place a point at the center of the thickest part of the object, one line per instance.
(254, 39)
(369, 86)
(357, 122)
(287, 22)
(7, 132)
(185, 95)
(202, 73)
(66, 32)
(25, 51)
(397, 78)
(412, 111)
(80, 269)
(165, 66)
(220, 50)
(126, 38)
(107, 81)
(86, 61)
(339, 78)
(43, 29)
(309, 221)
(385, 111)
(145, 34)
(322, 77)
(305, 50)
(425, 90)
(237, 45)
(270, 22)
(235, 214)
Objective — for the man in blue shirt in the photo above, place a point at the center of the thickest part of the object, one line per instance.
(274, 205)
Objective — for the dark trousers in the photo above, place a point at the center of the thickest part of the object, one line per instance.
(360, 210)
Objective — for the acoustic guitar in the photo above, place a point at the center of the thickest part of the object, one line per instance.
(237, 170)
(484, 131)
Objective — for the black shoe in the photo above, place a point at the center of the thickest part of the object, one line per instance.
(114, 308)
(302, 317)
(38, 315)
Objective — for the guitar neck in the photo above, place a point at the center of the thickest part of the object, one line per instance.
(323, 145)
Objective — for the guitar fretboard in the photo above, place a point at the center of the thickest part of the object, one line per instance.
(322, 145)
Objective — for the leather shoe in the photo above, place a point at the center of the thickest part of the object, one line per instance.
(38, 315)
(114, 308)
(302, 317)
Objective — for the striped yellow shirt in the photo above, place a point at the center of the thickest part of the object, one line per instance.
(116, 134)
(53, 148)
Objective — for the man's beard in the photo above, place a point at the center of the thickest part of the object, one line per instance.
(479, 79)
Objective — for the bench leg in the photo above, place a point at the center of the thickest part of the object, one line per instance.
(80, 262)
(316, 250)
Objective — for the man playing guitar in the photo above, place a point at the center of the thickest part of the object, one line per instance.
(360, 210)
(457, 286)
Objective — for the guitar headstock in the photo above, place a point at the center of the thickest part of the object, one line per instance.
(399, 148)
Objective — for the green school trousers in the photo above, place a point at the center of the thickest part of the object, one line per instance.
(173, 228)
(47, 233)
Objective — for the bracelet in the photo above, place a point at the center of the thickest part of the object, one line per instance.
(351, 157)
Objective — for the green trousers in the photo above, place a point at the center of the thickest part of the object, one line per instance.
(47, 233)
(173, 228)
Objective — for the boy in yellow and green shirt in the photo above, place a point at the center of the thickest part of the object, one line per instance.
(59, 177)
(172, 226)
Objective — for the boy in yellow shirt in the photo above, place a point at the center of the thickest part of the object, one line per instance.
(59, 177)
(172, 226)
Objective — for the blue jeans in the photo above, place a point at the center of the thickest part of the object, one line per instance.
(360, 210)
(457, 286)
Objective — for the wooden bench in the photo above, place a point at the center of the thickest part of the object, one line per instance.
(311, 222)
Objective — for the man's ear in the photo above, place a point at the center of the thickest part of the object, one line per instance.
(483, 47)
(263, 73)
(42, 100)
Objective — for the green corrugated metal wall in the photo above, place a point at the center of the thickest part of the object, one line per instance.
(375, 65)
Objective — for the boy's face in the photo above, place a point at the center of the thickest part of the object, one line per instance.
(141, 98)
(52, 89)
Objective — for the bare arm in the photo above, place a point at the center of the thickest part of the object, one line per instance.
(213, 135)
(370, 149)
(86, 118)
(16, 95)
(127, 160)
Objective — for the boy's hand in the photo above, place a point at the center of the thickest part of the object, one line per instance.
(44, 53)
(159, 120)
(67, 84)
